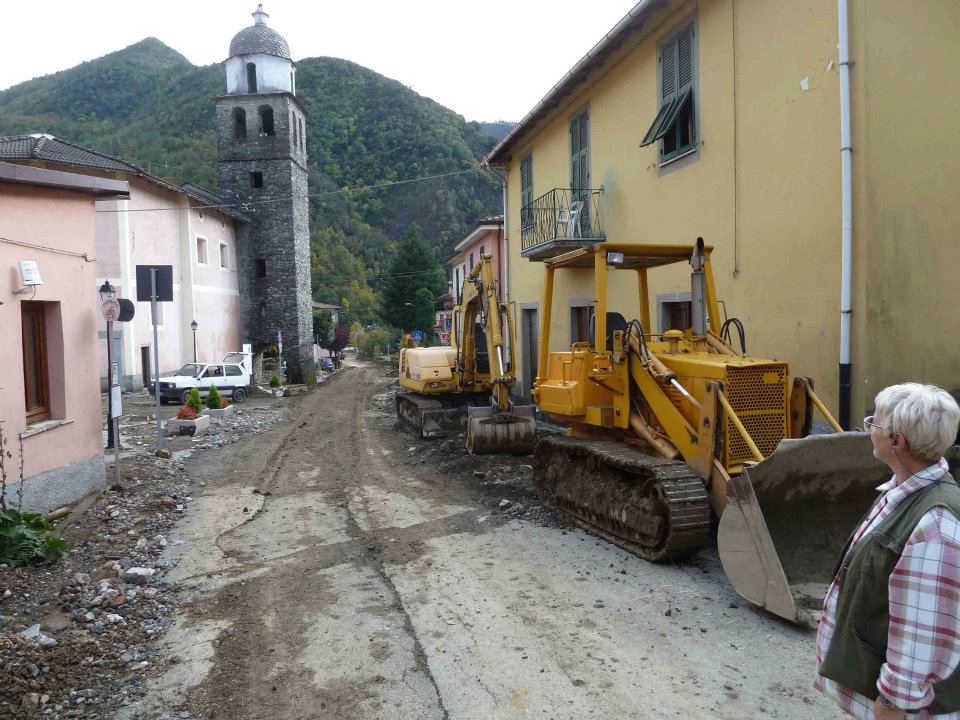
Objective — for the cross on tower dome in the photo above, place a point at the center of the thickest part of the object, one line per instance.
(259, 15)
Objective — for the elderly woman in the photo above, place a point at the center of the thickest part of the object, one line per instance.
(889, 640)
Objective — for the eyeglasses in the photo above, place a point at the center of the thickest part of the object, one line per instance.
(869, 424)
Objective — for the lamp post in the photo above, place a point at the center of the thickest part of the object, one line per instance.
(194, 326)
(107, 292)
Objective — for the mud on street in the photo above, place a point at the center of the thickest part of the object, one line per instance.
(338, 567)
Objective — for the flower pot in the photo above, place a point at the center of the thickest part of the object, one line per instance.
(184, 427)
(221, 413)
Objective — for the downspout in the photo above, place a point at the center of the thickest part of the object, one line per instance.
(846, 201)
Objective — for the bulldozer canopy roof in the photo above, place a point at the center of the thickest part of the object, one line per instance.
(634, 256)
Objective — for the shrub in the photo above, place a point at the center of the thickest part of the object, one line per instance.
(214, 401)
(275, 381)
(194, 401)
(27, 538)
(373, 343)
(186, 413)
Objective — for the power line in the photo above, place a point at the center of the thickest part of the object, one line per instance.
(267, 201)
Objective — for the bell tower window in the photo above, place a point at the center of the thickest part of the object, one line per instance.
(266, 120)
(239, 124)
(251, 77)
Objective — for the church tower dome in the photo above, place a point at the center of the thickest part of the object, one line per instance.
(260, 60)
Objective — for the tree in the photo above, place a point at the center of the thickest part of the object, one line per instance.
(322, 327)
(413, 284)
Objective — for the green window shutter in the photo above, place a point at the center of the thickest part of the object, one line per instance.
(684, 60)
(526, 191)
(668, 71)
(655, 132)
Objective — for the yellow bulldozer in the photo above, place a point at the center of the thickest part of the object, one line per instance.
(665, 427)
(466, 385)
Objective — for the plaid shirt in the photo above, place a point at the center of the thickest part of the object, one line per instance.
(923, 645)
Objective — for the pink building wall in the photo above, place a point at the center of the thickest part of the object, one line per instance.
(55, 228)
(486, 238)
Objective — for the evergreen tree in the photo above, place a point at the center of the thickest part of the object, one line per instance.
(413, 284)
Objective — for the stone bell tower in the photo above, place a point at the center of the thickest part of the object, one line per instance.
(263, 165)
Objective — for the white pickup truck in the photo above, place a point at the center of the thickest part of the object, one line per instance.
(232, 376)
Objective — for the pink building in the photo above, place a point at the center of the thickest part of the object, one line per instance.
(164, 224)
(486, 238)
(49, 366)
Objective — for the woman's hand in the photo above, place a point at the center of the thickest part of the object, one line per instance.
(887, 712)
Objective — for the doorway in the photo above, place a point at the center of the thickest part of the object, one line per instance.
(530, 346)
(145, 365)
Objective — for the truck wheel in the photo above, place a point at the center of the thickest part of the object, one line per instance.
(239, 395)
(184, 396)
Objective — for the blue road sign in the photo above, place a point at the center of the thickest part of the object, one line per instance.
(418, 335)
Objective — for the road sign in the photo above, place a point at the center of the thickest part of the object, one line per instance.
(418, 335)
(164, 282)
(110, 309)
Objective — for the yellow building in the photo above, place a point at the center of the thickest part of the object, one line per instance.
(739, 103)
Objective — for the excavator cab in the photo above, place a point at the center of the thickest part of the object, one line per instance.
(665, 427)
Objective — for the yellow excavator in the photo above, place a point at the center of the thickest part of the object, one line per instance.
(466, 385)
(665, 427)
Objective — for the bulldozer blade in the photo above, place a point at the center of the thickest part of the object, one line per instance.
(788, 517)
(490, 430)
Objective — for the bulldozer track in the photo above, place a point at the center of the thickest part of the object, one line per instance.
(654, 508)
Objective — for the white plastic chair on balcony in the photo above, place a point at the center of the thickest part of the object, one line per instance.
(570, 216)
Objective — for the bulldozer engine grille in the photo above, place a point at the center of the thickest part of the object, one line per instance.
(758, 395)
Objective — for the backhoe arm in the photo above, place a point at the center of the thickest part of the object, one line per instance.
(480, 295)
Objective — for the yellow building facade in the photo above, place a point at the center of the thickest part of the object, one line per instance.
(756, 172)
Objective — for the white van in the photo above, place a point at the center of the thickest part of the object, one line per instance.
(231, 376)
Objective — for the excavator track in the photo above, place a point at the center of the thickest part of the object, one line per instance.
(652, 507)
(434, 416)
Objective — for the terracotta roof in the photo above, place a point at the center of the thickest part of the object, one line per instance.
(259, 39)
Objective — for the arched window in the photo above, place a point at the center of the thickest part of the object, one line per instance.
(239, 124)
(266, 120)
(293, 87)
(251, 77)
(293, 124)
(303, 139)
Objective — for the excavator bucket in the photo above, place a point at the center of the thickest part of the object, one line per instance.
(788, 518)
(490, 430)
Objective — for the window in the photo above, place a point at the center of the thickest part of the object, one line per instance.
(200, 214)
(261, 267)
(293, 85)
(201, 250)
(224, 257)
(471, 261)
(675, 123)
(580, 170)
(251, 77)
(296, 137)
(36, 384)
(580, 323)
(266, 120)
(239, 124)
(256, 179)
(526, 193)
(234, 371)
(482, 251)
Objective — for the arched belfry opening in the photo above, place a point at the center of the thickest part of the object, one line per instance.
(251, 77)
(239, 124)
(266, 120)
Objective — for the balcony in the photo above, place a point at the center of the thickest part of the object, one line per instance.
(562, 220)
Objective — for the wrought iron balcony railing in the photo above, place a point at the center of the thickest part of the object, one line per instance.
(560, 220)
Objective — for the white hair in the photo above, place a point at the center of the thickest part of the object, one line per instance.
(925, 415)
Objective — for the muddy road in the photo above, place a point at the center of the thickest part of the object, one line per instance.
(339, 568)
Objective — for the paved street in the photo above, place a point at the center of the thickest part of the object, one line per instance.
(331, 572)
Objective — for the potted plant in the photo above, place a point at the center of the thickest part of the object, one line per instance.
(216, 405)
(188, 420)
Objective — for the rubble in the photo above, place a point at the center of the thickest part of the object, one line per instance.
(79, 638)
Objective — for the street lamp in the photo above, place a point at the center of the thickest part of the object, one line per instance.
(107, 291)
(194, 326)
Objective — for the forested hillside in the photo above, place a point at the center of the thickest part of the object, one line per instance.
(150, 105)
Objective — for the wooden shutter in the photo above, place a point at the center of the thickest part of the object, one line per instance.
(35, 381)
(580, 168)
(526, 191)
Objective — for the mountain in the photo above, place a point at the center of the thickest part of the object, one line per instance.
(150, 105)
(498, 129)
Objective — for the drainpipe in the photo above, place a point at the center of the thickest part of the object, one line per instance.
(846, 200)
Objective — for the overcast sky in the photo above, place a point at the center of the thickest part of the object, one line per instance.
(487, 60)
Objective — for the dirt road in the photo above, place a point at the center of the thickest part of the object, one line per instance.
(334, 572)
